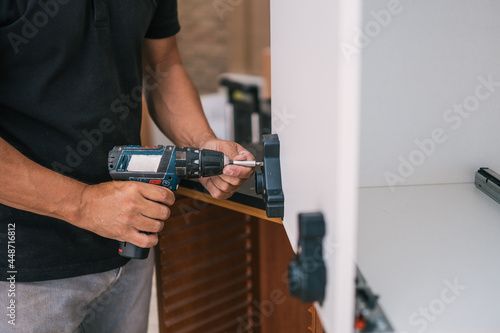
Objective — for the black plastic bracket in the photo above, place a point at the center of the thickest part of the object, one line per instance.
(368, 315)
(268, 182)
(306, 271)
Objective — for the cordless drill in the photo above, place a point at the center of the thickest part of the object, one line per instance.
(164, 166)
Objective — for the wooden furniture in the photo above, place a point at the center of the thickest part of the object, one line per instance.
(223, 270)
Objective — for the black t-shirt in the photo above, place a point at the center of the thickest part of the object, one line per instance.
(70, 90)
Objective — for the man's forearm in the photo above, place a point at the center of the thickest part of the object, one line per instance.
(174, 103)
(116, 210)
(176, 108)
(28, 186)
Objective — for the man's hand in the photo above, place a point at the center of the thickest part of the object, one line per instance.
(223, 186)
(120, 210)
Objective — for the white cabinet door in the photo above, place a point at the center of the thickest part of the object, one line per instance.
(315, 109)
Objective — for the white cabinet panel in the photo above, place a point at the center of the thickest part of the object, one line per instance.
(315, 109)
(430, 91)
(431, 253)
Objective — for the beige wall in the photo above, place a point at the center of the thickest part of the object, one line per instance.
(219, 36)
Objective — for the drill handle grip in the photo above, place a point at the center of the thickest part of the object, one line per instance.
(132, 251)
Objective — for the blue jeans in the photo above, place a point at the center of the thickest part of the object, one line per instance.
(113, 301)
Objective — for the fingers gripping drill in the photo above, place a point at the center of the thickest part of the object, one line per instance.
(164, 166)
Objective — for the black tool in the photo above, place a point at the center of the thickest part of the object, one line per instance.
(307, 271)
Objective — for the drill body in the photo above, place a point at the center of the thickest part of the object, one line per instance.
(164, 166)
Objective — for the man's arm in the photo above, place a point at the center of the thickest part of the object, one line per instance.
(116, 210)
(174, 104)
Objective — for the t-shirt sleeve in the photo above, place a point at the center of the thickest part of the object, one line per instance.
(165, 22)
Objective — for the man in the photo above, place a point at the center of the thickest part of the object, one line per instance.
(71, 77)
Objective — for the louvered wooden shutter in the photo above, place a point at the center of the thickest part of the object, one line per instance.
(218, 270)
(207, 280)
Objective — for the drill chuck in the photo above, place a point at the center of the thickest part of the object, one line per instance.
(196, 163)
